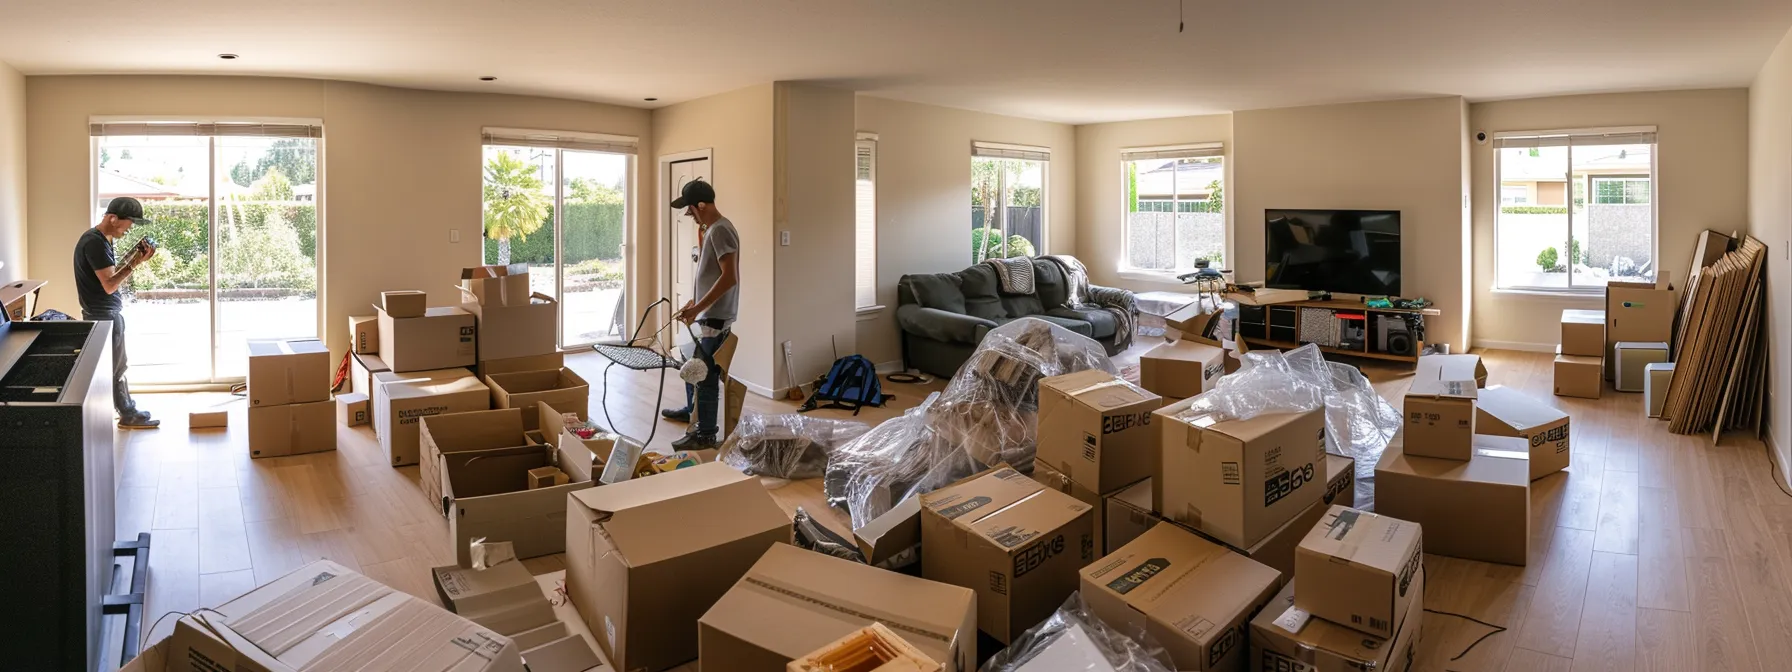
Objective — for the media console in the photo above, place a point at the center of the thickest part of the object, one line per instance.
(1338, 327)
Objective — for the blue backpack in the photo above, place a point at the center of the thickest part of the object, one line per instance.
(851, 384)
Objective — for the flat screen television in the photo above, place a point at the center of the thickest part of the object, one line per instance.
(1344, 251)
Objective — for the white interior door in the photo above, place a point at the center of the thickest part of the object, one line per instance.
(681, 254)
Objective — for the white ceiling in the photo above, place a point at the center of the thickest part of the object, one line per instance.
(1062, 60)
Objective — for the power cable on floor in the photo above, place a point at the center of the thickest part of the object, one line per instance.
(1497, 629)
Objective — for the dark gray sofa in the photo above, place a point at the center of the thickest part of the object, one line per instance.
(944, 315)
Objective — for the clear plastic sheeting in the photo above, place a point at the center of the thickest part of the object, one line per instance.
(1074, 640)
(1358, 422)
(788, 445)
(987, 415)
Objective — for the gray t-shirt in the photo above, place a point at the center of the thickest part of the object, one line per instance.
(719, 241)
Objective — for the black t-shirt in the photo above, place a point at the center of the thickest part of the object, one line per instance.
(94, 253)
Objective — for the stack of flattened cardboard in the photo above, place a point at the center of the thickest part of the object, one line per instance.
(290, 411)
(516, 325)
(1720, 362)
(1356, 601)
(506, 598)
(1095, 436)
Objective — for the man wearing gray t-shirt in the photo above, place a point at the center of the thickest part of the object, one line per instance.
(712, 312)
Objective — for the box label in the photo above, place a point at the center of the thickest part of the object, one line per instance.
(1410, 570)
(954, 511)
(1120, 423)
(1274, 661)
(1035, 557)
(1223, 644)
(1284, 484)
(1011, 536)
(1133, 579)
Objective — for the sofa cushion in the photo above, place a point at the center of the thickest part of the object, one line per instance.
(1049, 282)
(937, 290)
(1101, 322)
(1021, 305)
(982, 297)
(1072, 324)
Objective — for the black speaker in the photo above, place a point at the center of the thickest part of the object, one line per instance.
(1394, 337)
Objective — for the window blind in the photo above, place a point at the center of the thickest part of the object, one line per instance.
(996, 150)
(865, 224)
(1200, 151)
(270, 130)
(591, 142)
(1576, 139)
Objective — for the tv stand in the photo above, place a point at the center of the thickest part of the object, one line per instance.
(1337, 326)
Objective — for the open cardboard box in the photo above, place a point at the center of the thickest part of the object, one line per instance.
(513, 330)
(467, 431)
(496, 284)
(524, 389)
(487, 495)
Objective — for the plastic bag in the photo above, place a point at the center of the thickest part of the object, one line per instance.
(788, 445)
(815, 537)
(1074, 639)
(898, 459)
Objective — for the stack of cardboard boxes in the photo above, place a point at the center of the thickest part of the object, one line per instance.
(1580, 355)
(289, 398)
(1639, 324)
(517, 354)
(1095, 437)
(1356, 601)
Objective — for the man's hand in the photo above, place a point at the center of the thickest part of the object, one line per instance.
(687, 314)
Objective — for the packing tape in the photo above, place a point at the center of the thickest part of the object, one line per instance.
(851, 611)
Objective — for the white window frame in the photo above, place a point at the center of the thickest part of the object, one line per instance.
(1042, 155)
(1594, 180)
(1611, 135)
(1184, 150)
(1524, 197)
(865, 227)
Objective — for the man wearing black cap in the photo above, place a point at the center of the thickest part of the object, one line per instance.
(718, 300)
(98, 275)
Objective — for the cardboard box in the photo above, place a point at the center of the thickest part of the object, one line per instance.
(525, 329)
(1583, 332)
(351, 409)
(503, 597)
(1633, 361)
(1096, 429)
(208, 419)
(439, 339)
(1503, 411)
(1340, 480)
(1194, 597)
(1238, 480)
(1197, 322)
(1358, 569)
(1440, 418)
(364, 334)
(292, 429)
(547, 362)
(1276, 551)
(288, 372)
(1017, 543)
(487, 495)
(362, 369)
(1578, 377)
(1451, 367)
(524, 389)
(324, 616)
(1056, 480)
(1478, 509)
(545, 477)
(496, 285)
(873, 647)
(794, 601)
(1634, 313)
(1182, 369)
(460, 432)
(1656, 378)
(404, 303)
(401, 400)
(1126, 515)
(645, 558)
(1286, 639)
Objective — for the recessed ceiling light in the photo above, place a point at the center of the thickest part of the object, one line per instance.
(227, 57)
(650, 99)
(488, 78)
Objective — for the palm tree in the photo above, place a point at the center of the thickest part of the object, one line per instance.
(514, 204)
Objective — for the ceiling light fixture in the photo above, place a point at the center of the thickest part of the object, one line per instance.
(650, 100)
(227, 57)
(488, 78)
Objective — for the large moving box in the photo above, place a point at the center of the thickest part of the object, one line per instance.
(1477, 509)
(1503, 411)
(1451, 367)
(441, 338)
(645, 558)
(1286, 639)
(1358, 569)
(1195, 597)
(1017, 543)
(1440, 418)
(364, 334)
(288, 372)
(1639, 311)
(1055, 480)
(523, 329)
(524, 389)
(400, 400)
(1583, 332)
(488, 496)
(1578, 376)
(465, 431)
(1238, 480)
(1125, 515)
(548, 362)
(292, 429)
(1181, 370)
(324, 616)
(1096, 429)
(794, 601)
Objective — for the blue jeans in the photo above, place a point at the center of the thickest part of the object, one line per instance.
(121, 388)
(704, 398)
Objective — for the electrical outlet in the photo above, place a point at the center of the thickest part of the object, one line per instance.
(454, 235)
(784, 238)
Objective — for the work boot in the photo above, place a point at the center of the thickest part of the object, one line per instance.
(677, 414)
(695, 441)
(140, 420)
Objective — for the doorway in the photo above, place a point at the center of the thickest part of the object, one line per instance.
(681, 231)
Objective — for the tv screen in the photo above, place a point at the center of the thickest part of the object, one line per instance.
(1345, 251)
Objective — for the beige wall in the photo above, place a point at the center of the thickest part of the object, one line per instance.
(924, 196)
(1770, 219)
(815, 203)
(1401, 155)
(400, 168)
(1099, 189)
(737, 128)
(1702, 182)
(12, 174)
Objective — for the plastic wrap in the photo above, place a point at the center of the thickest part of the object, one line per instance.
(788, 445)
(813, 536)
(898, 459)
(1074, 639)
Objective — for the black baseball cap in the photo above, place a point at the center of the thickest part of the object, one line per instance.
(125, 207)
(695, 191)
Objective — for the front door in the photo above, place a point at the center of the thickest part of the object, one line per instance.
(681, 261)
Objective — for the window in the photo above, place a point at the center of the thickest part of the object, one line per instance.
(559, 203)
(1174, 207)
(865, 221)
(1007, 200)
(1588, 216)
(232, 206)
